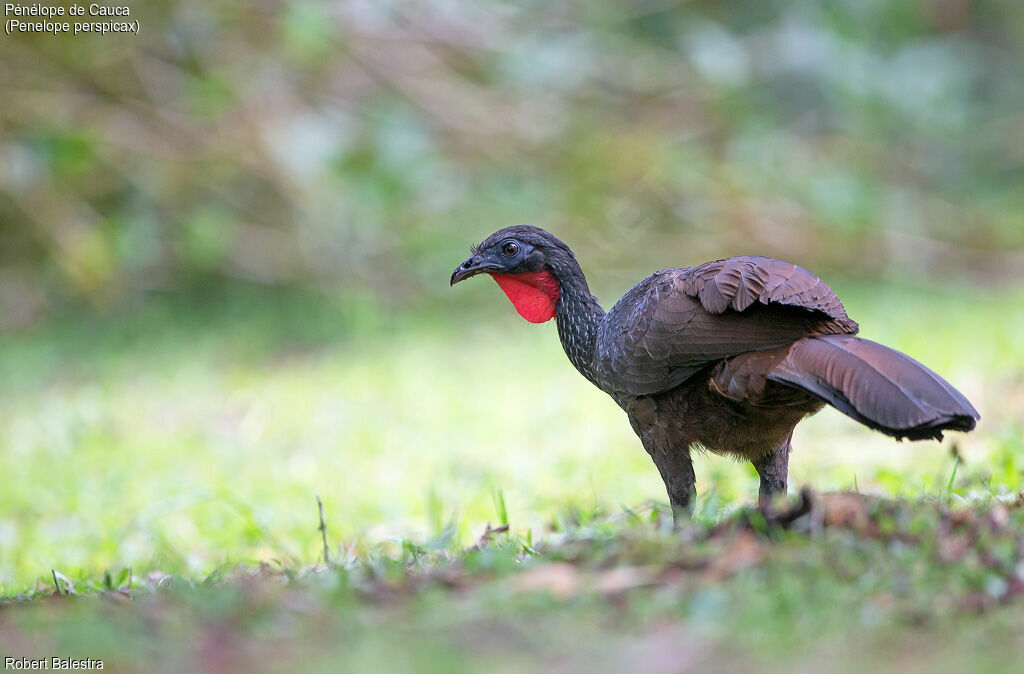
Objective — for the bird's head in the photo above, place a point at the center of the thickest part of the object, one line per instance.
(523, 260)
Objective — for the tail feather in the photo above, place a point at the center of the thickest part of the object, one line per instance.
(878, 386)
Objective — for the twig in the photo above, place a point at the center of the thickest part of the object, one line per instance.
(489, 533)
(323, 530)
(53, 572)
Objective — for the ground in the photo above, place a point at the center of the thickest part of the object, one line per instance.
(160, 470)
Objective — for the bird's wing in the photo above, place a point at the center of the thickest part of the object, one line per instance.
(676, 322)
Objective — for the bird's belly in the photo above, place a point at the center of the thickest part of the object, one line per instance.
(693, 415)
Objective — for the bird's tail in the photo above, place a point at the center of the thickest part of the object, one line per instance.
(878, 386)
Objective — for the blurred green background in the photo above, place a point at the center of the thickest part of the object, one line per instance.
(225, 245)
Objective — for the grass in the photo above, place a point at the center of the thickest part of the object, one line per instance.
(176, 454)
(852, 583)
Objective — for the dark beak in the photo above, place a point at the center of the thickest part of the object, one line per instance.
(471, 267)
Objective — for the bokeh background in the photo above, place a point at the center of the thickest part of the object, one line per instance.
(225, 245)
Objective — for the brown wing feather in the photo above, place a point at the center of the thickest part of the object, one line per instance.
(677, 322)
(737, 282)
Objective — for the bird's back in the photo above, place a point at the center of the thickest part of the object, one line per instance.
(677, 322)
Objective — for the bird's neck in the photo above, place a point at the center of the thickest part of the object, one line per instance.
(578, 315)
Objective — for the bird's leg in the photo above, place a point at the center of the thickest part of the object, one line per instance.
(676, 470)
(773, 468)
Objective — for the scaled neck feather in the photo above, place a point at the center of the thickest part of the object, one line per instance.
(578, 313)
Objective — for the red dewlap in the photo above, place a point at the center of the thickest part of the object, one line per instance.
(533, 293)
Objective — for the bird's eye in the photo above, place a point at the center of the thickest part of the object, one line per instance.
(510, 249)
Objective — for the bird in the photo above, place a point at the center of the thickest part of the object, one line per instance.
(725, 357)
